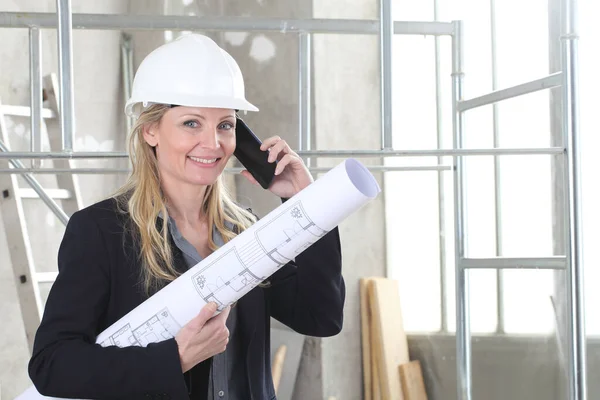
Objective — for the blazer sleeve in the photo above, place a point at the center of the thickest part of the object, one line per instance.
(308, 293)
(66, 361)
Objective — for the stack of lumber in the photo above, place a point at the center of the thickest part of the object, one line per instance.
(389, 374)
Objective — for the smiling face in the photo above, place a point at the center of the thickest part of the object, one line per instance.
(193, 144)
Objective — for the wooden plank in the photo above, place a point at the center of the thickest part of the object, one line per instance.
(411, 378)
(375, 356)
(277, 367)
(365, 325)
(389, 335)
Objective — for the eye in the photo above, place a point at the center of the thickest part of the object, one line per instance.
(191, 123)
(226, 126)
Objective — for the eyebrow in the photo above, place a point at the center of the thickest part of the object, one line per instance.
(204, 118)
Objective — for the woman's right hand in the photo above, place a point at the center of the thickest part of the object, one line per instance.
(203, 337)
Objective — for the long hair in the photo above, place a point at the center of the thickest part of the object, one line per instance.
(143, 199)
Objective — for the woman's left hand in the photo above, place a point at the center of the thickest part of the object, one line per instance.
(291, 175)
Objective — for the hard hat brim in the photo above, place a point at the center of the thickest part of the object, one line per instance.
(134, 107)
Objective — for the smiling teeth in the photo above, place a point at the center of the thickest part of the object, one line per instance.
(203, 160)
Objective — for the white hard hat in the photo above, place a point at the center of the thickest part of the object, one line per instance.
(189, 71)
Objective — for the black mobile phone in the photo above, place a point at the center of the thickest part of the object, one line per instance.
(248, 152)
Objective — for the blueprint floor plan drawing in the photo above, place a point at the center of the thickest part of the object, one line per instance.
(273, 245)
(248, 259)
(223, 285)
(288, 234)
(157, 328)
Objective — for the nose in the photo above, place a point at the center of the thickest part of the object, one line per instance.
(210, 138)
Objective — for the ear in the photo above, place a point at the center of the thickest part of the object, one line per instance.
(150, 134)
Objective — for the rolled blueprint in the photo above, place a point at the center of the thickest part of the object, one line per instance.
(251, 257)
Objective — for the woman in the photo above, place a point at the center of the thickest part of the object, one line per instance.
(172, 213)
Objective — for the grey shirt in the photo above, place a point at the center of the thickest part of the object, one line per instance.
(227, 379)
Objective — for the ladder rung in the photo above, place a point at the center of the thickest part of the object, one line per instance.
(24, 111)
(554, 262)
(58, 194)
(46, 277)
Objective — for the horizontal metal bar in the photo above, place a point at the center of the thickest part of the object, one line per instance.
(432, 152)
(46, 277)
(434, 28)
(318, 153)
(24, 111)
(61, 156)
(404, 168)
(548, 82)
(57, 194)
(385, 168)
(246, 24)
(554, 262)
(100, 171)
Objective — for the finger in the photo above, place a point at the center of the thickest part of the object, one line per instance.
(204, 315)
(222, 317)
(280, 148)
(267, 143)
(285, 161)
(249, 176)
(223, 344)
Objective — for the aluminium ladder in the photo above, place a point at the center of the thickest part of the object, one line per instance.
(27, 279)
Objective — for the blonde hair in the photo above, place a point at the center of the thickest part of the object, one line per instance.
(144, 200)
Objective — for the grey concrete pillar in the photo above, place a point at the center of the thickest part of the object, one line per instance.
(347, 116)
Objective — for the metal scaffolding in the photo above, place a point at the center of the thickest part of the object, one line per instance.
(572, 261)
(64, 21)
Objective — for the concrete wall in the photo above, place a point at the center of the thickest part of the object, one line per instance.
(99, 126)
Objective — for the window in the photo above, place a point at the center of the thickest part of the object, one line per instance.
(525, 184)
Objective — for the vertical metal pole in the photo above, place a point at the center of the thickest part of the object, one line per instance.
(497, 188)
(463, 333)
(127, 67)
(304, 93)
(35, 95)
(441, 185)
(385, 52)
(65, 72)
(571, 137)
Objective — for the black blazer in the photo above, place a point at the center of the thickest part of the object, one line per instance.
(98, 283)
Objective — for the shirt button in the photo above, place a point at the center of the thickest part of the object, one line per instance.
(221, 393)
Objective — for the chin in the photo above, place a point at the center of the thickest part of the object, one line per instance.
(208, 179)
(201, 181)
